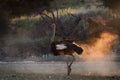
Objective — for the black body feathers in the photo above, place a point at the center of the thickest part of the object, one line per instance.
(66, 47)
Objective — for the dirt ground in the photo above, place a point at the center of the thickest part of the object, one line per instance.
(34, 76)
(83, 68)
(29, 70)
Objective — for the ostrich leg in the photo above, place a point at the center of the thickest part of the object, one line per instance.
(69, 64)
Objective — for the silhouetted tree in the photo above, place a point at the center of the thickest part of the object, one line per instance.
(23, 7)
(12, 8)
(112, 4)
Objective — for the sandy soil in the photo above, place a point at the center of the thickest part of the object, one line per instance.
(79, 68)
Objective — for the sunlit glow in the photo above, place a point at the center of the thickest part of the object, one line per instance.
(100, 48)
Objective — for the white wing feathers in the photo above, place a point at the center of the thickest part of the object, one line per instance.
(61, 46)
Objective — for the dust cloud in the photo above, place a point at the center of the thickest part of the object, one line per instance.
(99, 56)
(99, 49)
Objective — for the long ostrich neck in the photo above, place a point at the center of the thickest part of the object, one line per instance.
(53, 34)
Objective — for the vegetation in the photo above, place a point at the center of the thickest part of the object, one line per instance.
(22, 7)
(25, 33)
(112, 4)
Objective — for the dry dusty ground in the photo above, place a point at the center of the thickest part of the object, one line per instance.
(29, 70)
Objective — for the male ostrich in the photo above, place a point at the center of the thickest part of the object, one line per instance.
(64, 47)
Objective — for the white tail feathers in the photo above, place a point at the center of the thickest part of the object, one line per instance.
(75, 44)
(61, 46)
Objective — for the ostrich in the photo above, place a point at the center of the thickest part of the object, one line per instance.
(63, 47)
